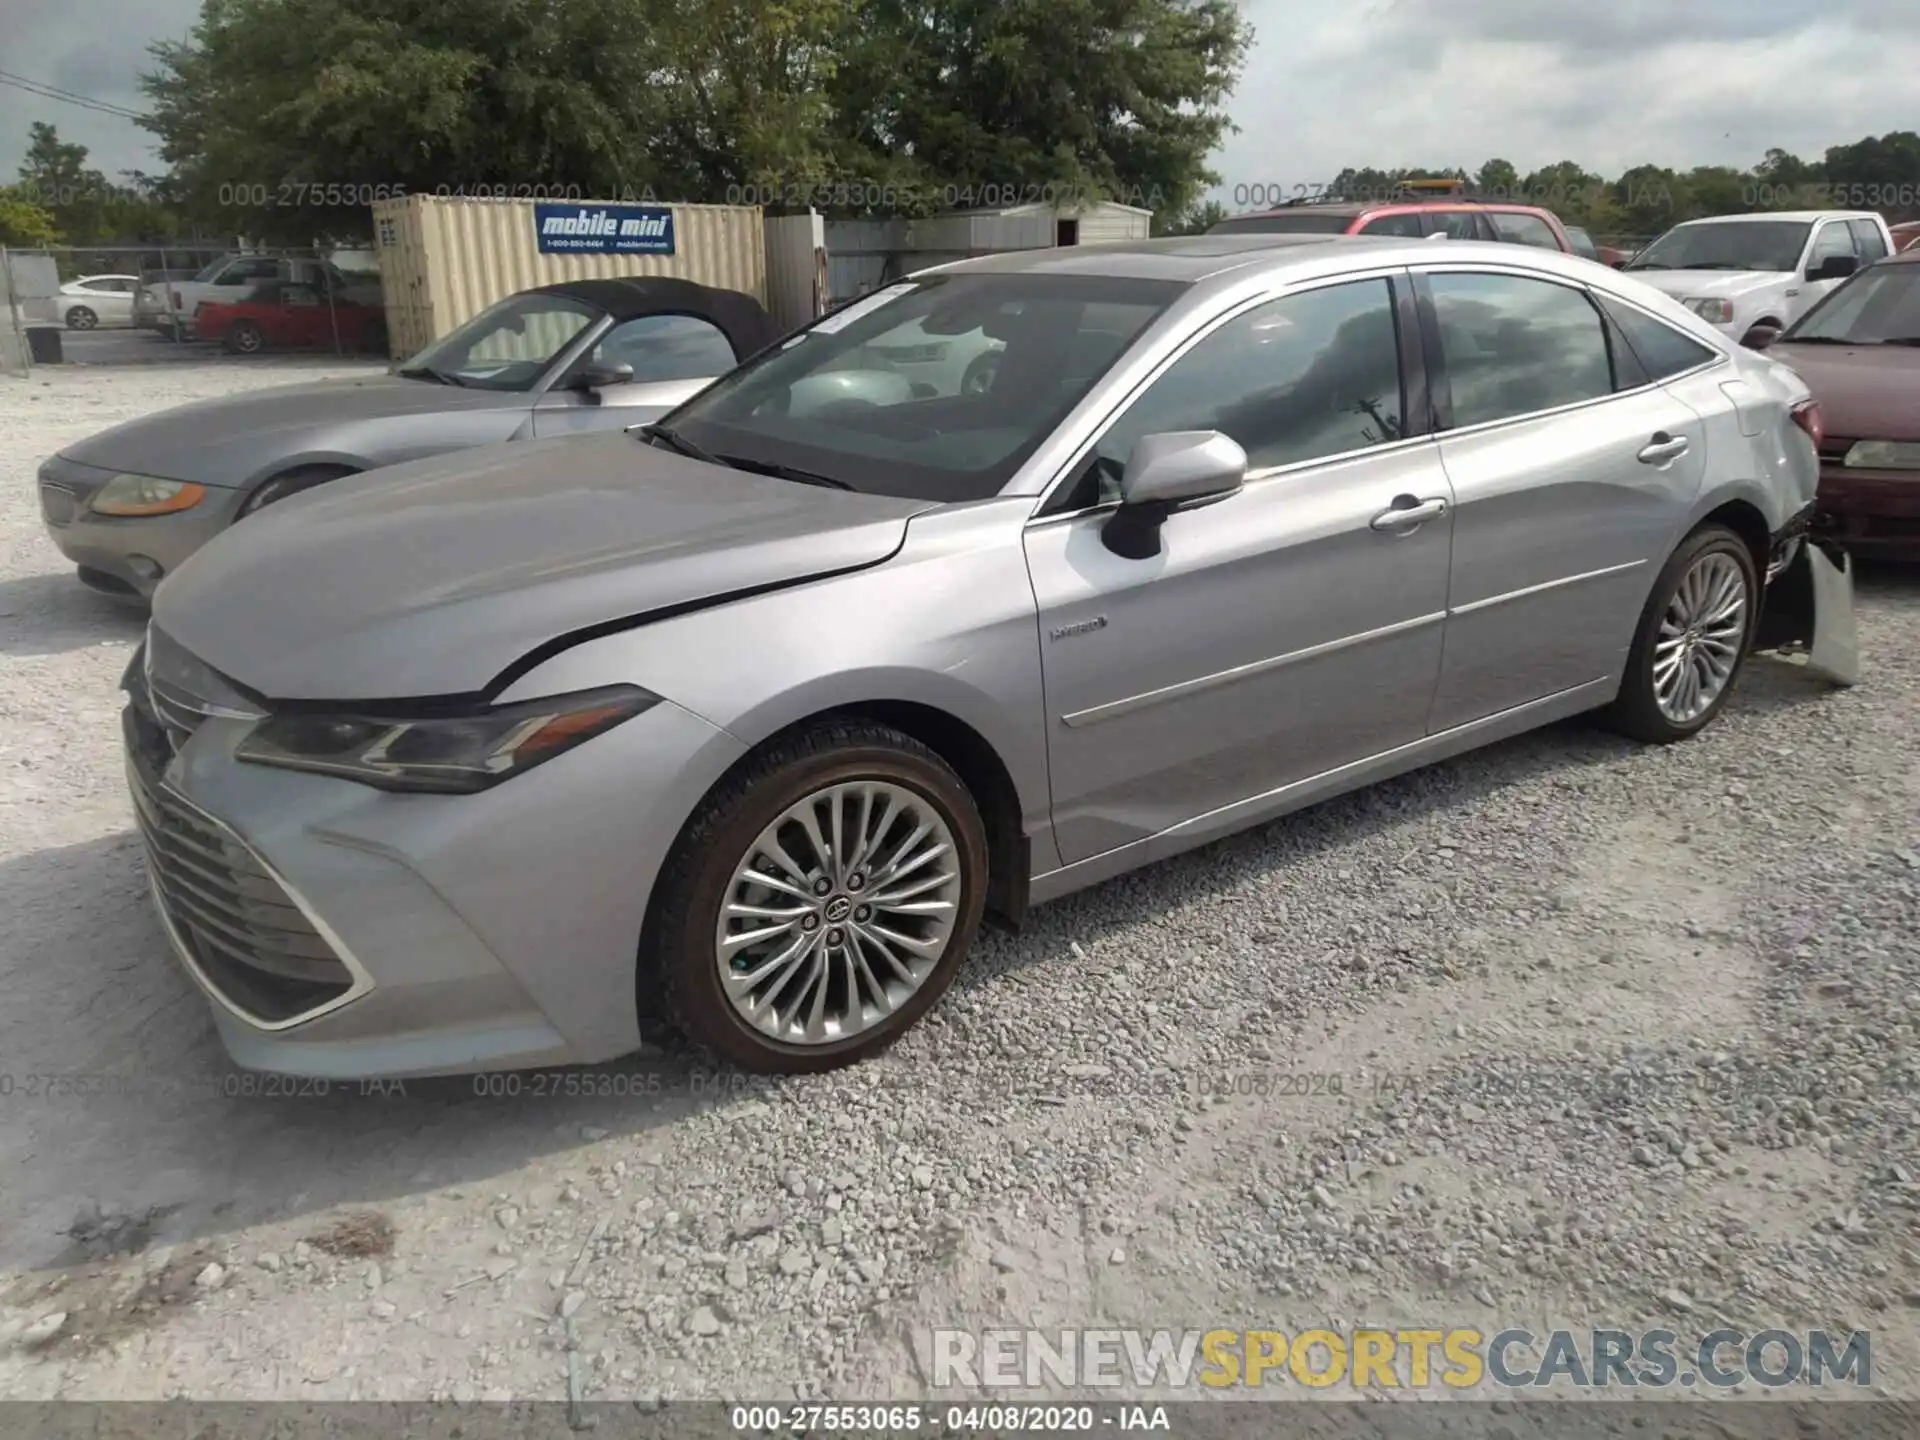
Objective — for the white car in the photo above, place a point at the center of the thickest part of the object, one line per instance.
(1751, 276)
(96, 300)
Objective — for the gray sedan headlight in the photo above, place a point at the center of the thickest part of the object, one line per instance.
(452, 754)
(1884, 455)
(136, 495)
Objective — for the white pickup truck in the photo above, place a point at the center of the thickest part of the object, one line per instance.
(1755, 273)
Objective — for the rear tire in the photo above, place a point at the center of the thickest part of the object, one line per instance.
(839, 772)
(81, 318)
(1690, 647)
(243, 337)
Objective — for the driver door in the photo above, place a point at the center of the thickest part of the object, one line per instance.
(1285, 631)
(673, 358)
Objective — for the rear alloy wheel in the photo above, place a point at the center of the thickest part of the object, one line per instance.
(81, 318)
(245, 338)
(821, 900)
(1694, 636)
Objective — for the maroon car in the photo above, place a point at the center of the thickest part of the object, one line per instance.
(1859, 352)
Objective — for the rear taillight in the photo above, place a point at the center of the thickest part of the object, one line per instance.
(174, 296)
(1807, 416)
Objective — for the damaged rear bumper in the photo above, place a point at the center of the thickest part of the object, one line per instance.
(1809, 602)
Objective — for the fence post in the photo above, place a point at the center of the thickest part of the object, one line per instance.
(324, 269)
(14, 355)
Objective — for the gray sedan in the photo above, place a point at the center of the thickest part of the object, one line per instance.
(129, 504)
(749, 720)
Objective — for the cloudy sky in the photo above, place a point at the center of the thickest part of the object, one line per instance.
(1609, 83)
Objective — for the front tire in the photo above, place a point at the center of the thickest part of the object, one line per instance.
(1694, 637)
(290, 482)
(820, 901)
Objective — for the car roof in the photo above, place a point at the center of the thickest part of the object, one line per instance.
(1793, 215)
(742, 318)
(1187, 259)
(1901, 257)
(1203, 261)
(1390, 202)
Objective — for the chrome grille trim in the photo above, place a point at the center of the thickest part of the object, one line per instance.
(58, 504)
(225, 909)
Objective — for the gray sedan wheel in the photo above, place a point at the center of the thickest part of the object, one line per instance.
(80, 317)
(1693, 638)
(820, 901)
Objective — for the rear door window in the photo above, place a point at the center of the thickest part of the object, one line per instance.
(1515, 345)
(1521, 229)
(1457, 224)
(1406, 223)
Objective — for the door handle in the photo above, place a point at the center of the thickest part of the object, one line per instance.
(1663, 448)
(1407, 511)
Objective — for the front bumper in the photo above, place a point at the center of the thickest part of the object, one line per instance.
(124, 555)
(1874, 514)
(429, 934)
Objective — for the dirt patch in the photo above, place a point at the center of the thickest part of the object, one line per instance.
(362, 1235)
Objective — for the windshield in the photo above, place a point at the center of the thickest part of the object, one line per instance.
(1879, 306)
(1307, 222)
(936, 389)
(207, 271)
(1582, 242)
(507, 346)
(1729, 245)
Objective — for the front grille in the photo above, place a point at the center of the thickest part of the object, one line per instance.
(58, 504)
(241, 929)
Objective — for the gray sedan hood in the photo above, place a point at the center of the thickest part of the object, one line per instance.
(220, 441)
(432, 578)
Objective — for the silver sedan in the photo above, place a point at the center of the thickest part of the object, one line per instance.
(749, 718)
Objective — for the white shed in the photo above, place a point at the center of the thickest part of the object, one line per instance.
(863, 255)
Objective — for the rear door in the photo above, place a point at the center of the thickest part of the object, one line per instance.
(1571, 474)
(673, 357)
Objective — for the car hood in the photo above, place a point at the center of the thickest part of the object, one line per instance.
(1866, 392)
(432, 578)
(1710, 284)
(211, 439)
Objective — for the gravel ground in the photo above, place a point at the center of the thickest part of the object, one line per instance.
(1565, 1033)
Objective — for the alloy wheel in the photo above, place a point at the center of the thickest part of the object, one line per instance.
(1701, 637)
(81, 318)
(838, 913)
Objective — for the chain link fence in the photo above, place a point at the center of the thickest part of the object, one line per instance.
(139, 303)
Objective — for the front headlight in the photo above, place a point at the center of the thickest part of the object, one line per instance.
(1714, 312)
(146, 495)
(453, 754)
(1884, 455)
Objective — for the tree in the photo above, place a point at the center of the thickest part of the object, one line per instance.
(24, 222)
(1877, 173)
(1004, 98)
(864, 105)
(1498, 178)
(1195, 221)
(285, 118)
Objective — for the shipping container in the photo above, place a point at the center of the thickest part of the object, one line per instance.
(444, 259)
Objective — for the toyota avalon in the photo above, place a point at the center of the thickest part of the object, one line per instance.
(747, 718)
